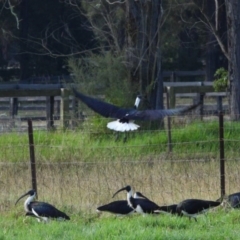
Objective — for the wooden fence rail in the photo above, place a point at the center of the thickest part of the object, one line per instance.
(57, 101)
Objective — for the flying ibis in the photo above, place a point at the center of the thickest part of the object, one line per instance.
(120, 207)
(193, 207)
(126, 116)
(140, 205)
(41, 210)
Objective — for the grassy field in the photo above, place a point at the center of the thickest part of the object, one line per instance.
(216, 225)
(80, 170)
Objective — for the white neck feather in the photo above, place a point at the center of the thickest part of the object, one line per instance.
(129, 195)
(28, 201)
(137, 101)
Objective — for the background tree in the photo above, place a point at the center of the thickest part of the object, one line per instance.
(41, 34)
(233, 21)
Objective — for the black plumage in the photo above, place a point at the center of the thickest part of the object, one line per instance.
(41, 210)
(193, 207)
(168, 209)
(126, 114)
(120, 207)
(140, 205)
(233, 200)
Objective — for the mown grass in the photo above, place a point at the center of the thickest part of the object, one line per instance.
(216, 225)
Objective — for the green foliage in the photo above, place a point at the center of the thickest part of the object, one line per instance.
(105, 76)
(221, 80)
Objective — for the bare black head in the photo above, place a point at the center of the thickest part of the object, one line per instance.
(127, 188)
(32, 193)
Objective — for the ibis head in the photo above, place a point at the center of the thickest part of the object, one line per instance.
(40, 210)
(127, 188)
(32, 194)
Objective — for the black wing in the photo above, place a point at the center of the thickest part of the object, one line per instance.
(47, 210)
(152, 115)
(109, 110)
(146, 205)
(116, 207)
(103, 108)
(169, 208)
(234, 200)
(192, 206)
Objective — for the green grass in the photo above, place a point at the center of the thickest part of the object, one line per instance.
(79, 188)
(216, 225)
(87, 146)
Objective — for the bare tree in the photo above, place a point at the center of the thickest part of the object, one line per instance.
(132, 27)
(212, 20)
(143, 22)
(233, 22)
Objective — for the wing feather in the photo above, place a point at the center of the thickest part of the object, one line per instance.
(112, 111)
(105, 109)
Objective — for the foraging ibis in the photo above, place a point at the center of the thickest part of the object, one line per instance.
(120, 207)
(140, 205)
(233, 200)
(41, 210)
(193, 207)
(126, 116)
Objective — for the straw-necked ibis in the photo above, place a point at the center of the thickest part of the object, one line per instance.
(120, 207)
(232, 200)
(127, 115)
(193, 207)
(41, 210)
(140, 205)
(125, 125)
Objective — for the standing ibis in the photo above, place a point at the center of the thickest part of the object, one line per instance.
(120, 207)
(41, 210)
(140, 205)
(125, 116)
(193, 207)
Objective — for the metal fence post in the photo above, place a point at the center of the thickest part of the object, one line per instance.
(32, 155)
(221, 151)
(169, 124)
(50, 112)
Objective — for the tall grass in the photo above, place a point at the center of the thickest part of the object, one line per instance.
(79, 170)
(190, 140)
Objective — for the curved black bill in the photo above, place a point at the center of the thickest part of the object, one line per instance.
(22, 197)
(120, 190)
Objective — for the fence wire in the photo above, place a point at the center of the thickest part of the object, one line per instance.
(78, 180)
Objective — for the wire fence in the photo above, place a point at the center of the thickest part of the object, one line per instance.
(81, 176)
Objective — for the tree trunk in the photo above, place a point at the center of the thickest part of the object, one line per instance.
(24, 56)
(233, 22)
(143, 54)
